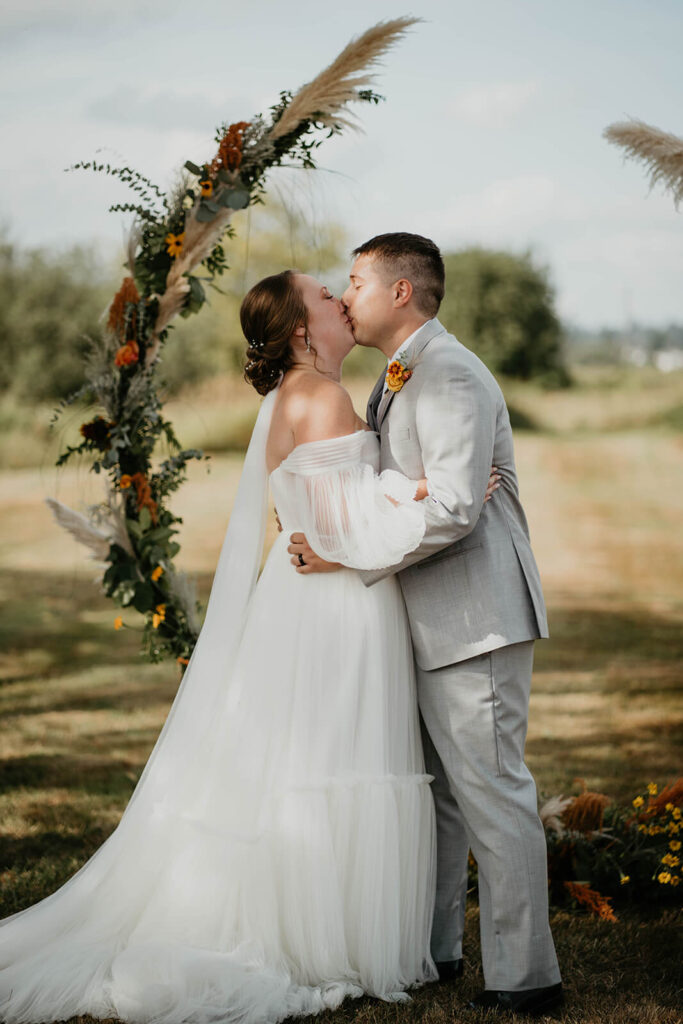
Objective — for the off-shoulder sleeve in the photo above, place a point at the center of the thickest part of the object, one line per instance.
(344, 506)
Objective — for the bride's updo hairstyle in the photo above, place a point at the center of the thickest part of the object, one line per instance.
(270, 313)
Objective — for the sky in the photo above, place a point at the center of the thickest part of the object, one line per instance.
(490, 134)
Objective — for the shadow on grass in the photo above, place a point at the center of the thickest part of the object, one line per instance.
(590, 638)
(53, 639)
(56, 623)
(102, 775)
(605, 701)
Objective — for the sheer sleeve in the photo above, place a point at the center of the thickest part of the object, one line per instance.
(349, 513)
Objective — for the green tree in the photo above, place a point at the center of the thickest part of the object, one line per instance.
(502, 307)
(49, 303)
(52, 302)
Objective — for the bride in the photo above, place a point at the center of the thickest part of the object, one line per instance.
(277, 854)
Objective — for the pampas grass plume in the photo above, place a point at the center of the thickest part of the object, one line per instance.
(339, 84)
(661, 152)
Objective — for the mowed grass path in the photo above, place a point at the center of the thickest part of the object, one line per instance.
(80, 710)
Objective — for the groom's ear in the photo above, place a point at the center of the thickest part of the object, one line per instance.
(402, 292)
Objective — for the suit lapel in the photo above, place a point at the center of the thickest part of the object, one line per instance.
(422, 338)
(387, 399)
(373, 402)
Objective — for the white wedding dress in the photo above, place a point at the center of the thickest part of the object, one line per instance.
(277, 854)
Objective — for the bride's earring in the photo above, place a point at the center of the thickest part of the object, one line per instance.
(308, 343)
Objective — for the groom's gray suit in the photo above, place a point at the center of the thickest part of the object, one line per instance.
(475, 606)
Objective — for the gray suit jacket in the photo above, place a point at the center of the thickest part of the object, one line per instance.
(472, 585)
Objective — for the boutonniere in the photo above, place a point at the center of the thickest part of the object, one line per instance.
(398, 373)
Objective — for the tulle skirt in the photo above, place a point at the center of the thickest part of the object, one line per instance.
(291, 861)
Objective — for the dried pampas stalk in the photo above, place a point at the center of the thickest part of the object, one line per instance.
(339, 83)
(200, 238)
(322, 99)
(81, 529)
(552, 810)
(661, 152)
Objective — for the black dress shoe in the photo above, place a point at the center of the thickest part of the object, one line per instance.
(530, 1000)
(449, 970)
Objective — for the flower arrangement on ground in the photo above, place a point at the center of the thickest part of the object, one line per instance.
(600, 851)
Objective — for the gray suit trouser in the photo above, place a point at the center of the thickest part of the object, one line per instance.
(474, 728)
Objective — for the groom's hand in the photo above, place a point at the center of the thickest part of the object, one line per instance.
(311, 562)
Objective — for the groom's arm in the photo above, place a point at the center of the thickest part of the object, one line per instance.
(456, 427)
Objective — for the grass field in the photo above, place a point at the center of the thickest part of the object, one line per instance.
(601, 482)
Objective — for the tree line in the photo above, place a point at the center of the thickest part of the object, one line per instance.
(499, 304)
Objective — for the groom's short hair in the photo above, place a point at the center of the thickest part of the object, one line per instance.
(417, 259)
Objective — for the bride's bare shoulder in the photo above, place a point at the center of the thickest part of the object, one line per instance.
(319, 408)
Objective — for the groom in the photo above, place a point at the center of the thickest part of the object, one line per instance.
(475, 606)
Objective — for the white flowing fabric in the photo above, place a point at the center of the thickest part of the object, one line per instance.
(277, 854)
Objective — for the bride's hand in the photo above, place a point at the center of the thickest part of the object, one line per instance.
(493, 484)
(491, 487)
(304, 558)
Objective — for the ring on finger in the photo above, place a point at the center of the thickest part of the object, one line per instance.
(301, 559)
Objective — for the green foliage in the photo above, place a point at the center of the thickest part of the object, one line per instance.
(631, 856)
(150, 194)
(50, 304)
(502, 306)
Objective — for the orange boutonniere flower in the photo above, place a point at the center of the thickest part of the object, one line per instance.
(397, 374)
(207, 188)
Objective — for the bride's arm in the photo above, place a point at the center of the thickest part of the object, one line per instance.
(341, 504)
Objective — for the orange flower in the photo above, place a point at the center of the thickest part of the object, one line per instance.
(118, 622)
(174, 244)
(144, 495)
(397, 375)
(128, 354)
(126, 295)
(157, 573)
(229, 155)
(125, 481)
(586, 811)
(207, 188)
(594, 901)
(159, 616)
(182, 661)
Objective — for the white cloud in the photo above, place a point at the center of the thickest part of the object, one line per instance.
(495, 101)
